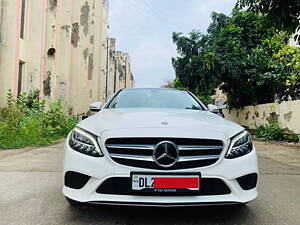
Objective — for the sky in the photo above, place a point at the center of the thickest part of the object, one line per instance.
(143, 28)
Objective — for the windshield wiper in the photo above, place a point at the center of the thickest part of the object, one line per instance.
(193, 108)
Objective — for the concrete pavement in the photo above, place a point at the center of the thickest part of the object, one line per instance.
(31, 183)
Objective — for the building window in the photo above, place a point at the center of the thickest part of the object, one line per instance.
(20, 76)
(23, 18)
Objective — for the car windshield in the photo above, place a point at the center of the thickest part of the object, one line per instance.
(155, 98)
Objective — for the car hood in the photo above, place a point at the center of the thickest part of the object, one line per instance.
(179, 121)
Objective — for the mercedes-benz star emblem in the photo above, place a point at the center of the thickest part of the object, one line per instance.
(166, 154)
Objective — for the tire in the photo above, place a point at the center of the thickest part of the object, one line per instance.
(73, 202)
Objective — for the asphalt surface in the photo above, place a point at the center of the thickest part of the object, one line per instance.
(31, 183)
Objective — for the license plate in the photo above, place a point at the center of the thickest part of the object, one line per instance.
(142, 182)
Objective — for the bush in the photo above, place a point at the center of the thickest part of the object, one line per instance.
(55, 120)
(273, 132)
(291, 138)
(25, 122)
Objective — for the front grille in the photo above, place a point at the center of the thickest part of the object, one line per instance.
(137, 152)
(122, 186)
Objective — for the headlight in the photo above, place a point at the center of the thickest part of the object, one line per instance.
(240, 145)
(84, 143)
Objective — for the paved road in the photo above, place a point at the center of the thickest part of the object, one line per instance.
(31, 182)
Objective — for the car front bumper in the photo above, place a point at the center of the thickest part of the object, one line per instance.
(101, 169)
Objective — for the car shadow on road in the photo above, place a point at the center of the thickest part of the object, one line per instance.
(148, 215)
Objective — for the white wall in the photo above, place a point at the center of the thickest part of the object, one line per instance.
(287, 113)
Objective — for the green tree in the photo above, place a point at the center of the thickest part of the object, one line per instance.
(283, 14)
(287, 63)
(197, 66)
(238, 54)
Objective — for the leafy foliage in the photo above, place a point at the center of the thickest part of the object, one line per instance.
(291, 137)
(287, 62)
(26, 122)
(282, 14)
(205, 98)
(273, 132)
(243, 56)
(197, 68)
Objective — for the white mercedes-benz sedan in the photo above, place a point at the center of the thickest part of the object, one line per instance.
(158, 147)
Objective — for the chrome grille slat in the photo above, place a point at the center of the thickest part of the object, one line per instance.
(125, 146)
(137, 152)
(195, 158)
(151, 147)
(197, 147)
(132, 157)
(150, 158)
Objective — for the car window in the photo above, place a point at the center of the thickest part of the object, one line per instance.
(154, 98)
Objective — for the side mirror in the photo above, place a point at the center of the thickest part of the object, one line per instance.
(95, 107)
(213, 108)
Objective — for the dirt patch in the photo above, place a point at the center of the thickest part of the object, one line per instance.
(66, 28)
(284, 154)
(273, 116)
(247, 115)
(52, 5)
(85, 53)
(264, 115)
(288, 116)
(84, 17)
(11, 152)
(47, 82)
(75, 35)
(92, 39)
(91, 66)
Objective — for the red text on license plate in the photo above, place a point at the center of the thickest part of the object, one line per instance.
(176, 182)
